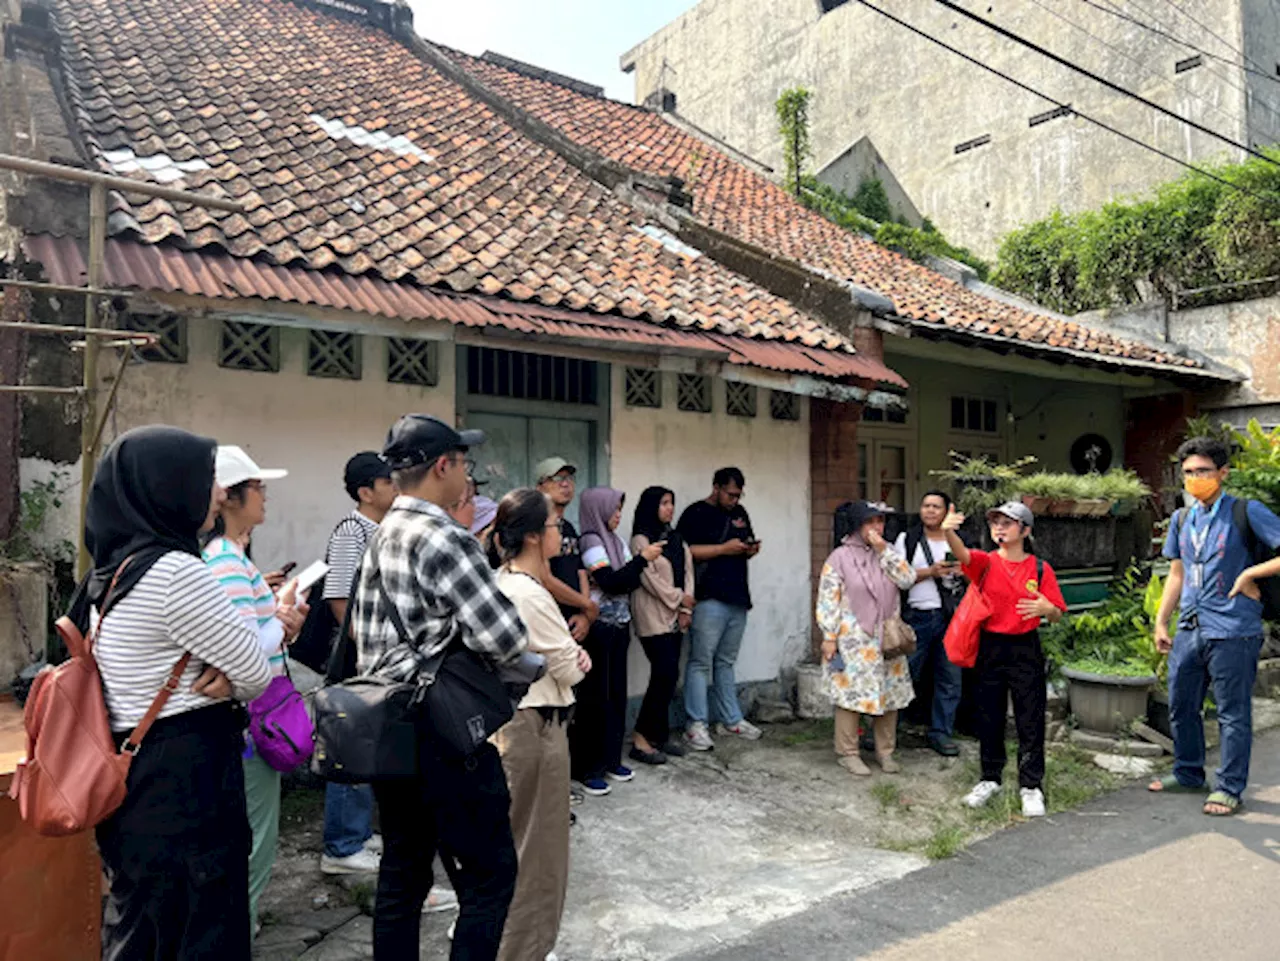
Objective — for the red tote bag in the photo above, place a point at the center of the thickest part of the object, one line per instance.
(965, 629)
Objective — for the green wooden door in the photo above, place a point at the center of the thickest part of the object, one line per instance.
(516, 443)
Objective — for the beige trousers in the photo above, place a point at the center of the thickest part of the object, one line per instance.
(535, 757)
(885, 727)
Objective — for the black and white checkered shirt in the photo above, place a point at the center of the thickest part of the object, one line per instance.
(437, 576)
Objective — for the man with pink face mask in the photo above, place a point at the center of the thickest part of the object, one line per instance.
(1213, 584)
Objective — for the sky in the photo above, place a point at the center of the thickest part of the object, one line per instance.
(581, 38)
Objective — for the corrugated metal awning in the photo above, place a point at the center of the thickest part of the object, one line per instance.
(220, 276)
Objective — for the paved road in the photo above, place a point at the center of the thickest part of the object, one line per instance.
(1129, 876)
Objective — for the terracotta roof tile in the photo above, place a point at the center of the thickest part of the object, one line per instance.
(240, 84)
(735, 199)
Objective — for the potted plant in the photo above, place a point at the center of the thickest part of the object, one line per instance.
(1036, 492)
(1064, 492)
(980, 484)
(1124, 488)
(1108, 656)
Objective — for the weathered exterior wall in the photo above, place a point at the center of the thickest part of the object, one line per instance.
(916, 101)
(681, 450)
(862, 162)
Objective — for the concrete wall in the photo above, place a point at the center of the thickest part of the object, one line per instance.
(681, 450)
(863, 162)
(730, 59)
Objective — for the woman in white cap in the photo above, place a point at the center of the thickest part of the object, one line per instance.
(276, 623)
(1022, 590)
(858, 594)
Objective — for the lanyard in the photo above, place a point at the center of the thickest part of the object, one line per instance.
(1200, 539)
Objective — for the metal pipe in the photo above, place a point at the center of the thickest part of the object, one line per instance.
(89, 408)
(102, 332)
(37, 389)
(62, 172)
(63, 288)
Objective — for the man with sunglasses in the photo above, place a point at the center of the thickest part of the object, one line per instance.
(1213, 584)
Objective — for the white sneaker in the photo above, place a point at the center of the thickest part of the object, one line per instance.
(981, 794)
(374, 844)
(363, 861)
(440, 899)
(743, 729)
(1032, 802)
(697, 737)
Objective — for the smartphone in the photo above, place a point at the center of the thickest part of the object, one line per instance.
(288, 568)
(308, 578)
(949, 558)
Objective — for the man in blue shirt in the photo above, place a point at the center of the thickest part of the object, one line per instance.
(1213, 583)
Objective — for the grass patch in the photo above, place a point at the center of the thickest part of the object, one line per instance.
(809, 732)
(887, 794)
(946, 841)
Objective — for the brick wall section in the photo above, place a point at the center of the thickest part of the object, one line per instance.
(833, 473)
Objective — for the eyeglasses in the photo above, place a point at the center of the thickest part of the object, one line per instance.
(1199, 471)
(562, 479)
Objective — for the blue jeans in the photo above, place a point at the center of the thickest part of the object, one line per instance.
(714, 641)
(348, 818)
(1230, 665)
(930, 628)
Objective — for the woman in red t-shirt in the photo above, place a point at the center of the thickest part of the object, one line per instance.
(1021, 590)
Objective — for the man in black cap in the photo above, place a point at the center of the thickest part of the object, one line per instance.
(350, 846)
(436, 575)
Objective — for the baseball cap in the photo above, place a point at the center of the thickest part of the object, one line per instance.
(420, 438)
(363, 469)
(486, 511)
(550, 466)
(233, 466)
(1015, 511)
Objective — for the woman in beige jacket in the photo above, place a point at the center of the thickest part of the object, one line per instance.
(661, 610)
(533, 745)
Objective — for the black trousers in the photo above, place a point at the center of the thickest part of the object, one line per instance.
(600, 721)
(654, 722)
(176, 853)
(460, 809)
(1011, 664)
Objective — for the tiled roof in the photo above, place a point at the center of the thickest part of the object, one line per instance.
(738, 201)
(354, 155)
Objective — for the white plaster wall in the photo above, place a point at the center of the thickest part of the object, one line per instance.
(682, 450)
(308, 425)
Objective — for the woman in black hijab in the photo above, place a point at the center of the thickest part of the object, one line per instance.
(176, 852)
(661, 609)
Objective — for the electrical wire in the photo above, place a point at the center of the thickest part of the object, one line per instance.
(1132, 59)
(1058, 103)
(1076, 68)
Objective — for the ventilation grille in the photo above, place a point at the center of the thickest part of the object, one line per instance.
(246, 346)
(739, 399)
(333, 353)
(643, 387)
(412, 362)
(693, 393)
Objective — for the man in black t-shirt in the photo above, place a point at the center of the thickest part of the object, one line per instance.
(557, 478)
(718, 532)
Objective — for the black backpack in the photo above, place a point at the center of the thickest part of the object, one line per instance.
(320, 629)
(950, 598)
(1258, 552)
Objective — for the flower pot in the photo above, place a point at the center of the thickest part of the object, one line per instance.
(1061, 507)
(1107, 704)
(1123, 508)
(1036, 503)
(1091, 507)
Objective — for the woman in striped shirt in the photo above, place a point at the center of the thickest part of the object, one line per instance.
(274, 623)
(176, 851)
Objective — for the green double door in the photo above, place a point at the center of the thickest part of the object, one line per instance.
(516, 443)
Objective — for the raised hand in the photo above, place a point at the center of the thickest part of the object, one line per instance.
(953, 521)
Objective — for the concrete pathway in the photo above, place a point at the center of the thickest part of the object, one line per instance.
(1130, 876)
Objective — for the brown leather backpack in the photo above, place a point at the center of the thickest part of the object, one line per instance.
(73, 777)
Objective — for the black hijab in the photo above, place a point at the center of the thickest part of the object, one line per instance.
(646, 522)
(150, 496)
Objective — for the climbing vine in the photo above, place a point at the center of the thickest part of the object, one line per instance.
(793, 126)
(1189, 234)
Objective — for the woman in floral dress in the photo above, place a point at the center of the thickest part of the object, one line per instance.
(858, 593)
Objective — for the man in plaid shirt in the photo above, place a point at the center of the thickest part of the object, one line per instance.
(438, 578)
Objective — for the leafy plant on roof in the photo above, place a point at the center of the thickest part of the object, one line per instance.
(1186, 235)
(793, 125)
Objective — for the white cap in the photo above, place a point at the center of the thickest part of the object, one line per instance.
(234, 467)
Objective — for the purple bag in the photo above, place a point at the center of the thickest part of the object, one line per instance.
(280, 726)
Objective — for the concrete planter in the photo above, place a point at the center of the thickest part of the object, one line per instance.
(1101, 702)
(812, 701)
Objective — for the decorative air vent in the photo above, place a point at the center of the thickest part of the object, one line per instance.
(245, 346)
(783, 406)
(739, 399)
(412, 362)
(333, 353)
(643, 387)
(975, 142)
(693, 393)
(1054, 114)
(171, 332)
(1182, 66)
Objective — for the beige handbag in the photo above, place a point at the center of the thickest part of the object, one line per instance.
(897, 638)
